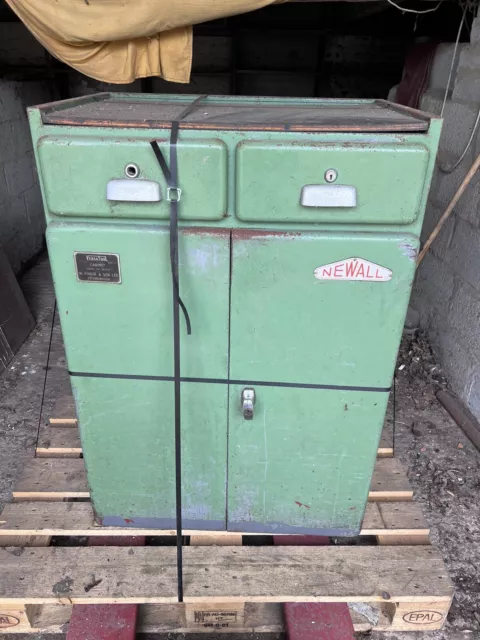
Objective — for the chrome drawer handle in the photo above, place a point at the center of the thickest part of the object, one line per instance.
(248, 402)
(328, 196)
(126, 190)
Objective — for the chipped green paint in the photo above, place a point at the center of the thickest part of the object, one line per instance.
(320, 353)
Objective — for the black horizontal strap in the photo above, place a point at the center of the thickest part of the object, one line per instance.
(253, 383)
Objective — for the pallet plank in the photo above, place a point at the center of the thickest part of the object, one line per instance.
(385, 446)
(60, 441)
(227, 574)
(76, 519)
(57, 478)
(52, 478)
(259, 617)
(389, 482)
(60, 436)
(64, 409)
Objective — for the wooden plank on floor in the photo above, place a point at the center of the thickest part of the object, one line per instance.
(226, 574)
(105, 621)
(54, 478)
(60, 441)
(64, 411)
(76, 519)
(389, 482)
(259, 617)
(68, 438)
(385, 446)
(64, 422)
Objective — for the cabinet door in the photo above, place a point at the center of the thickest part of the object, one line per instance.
(319, 354)
(117, 328)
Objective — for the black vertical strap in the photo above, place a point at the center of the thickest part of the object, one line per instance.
(173, 195)
(176, 353)
(394, 409)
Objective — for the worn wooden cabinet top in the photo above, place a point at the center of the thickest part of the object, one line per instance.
(222, 112)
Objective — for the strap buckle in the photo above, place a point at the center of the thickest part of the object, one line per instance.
(174, 194)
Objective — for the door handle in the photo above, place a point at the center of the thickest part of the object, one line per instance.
(128, 190)
(248, 402)
(328, 195)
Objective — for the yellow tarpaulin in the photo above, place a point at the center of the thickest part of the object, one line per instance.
(121, 40)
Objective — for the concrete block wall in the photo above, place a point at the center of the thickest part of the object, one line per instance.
(21, 212)
(447, 287)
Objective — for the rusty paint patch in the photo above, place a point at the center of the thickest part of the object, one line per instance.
(300, 504)
(129, 520)
(205, 231)
(408, 250)
(262, 234)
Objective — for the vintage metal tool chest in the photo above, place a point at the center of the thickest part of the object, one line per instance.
(299, 229)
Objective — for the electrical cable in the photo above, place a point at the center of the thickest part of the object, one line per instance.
(445, 169)
(405, 10)
(442, 167)
(453, 60)
(46, 370)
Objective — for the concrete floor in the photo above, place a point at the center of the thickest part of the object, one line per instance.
(443, 465)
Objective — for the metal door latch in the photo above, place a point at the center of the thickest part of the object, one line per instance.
(248, 402)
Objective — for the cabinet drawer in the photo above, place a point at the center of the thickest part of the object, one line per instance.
(87, 176)
(376, 184)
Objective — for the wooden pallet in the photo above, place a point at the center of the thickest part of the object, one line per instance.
(400, 583)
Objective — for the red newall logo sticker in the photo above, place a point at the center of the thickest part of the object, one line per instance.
(356, 269)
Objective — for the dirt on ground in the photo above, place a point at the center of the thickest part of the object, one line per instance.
(444, 470)
(443, 465)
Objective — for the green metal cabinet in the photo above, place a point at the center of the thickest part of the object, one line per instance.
(299, 229)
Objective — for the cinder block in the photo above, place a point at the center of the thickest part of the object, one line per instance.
(475, 33)
(463, 253)
(464, 316)
(433, 288)
(468, 206)
(10, 248)
(472, 395)
(10, 102)
(19, 175)
(34, 210)
(458, 120)
(13, 219)
(442, 63)
(457, 360)
(467, 82)
(7, 142)
(20, 131)
(433, 212)
(3, 187)
(443, 241)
